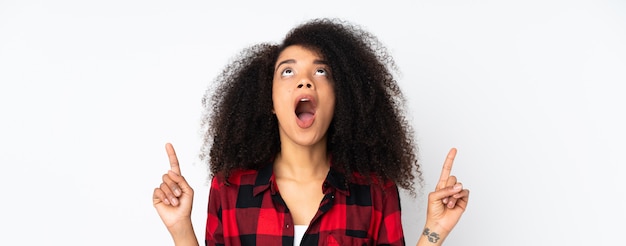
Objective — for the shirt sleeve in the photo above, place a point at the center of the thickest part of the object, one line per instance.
(214, 231)
(390, 232)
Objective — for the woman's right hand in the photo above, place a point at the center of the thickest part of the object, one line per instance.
(173, 199)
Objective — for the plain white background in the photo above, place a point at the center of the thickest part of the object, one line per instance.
(528, 91)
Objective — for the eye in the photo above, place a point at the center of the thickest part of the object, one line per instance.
(287, 72)
(321, 71)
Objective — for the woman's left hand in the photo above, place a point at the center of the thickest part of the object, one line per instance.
(446, 204)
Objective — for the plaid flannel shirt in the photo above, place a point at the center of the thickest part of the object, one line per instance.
(250, 211)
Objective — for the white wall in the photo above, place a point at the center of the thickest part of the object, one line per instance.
(528, 91)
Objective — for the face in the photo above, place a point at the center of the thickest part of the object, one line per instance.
(303, 96)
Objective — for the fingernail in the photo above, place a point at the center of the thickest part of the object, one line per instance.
(174, 201)
(177, 192)
(166, 201)
(445, 200)
(458, 187)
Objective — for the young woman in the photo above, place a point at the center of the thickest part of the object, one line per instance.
(307, 145)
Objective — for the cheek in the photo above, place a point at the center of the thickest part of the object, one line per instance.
(330, 95)
(280, 102)
(331, 102)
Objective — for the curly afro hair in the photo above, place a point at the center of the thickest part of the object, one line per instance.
(369, 133)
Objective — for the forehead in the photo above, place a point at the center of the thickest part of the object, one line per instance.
(298, 52)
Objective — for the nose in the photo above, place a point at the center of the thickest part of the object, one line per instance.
(305, 83)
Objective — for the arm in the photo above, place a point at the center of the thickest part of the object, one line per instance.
(214, 229)
(445, 206)
(173, 201)
(390, 230)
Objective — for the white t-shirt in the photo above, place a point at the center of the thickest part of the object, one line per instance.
(298, 233)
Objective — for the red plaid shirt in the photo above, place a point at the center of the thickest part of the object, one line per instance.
(250, 211)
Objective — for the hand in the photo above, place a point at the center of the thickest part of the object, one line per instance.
(174, 197)
(449, 200)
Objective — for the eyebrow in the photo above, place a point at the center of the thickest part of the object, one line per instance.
(293, 61)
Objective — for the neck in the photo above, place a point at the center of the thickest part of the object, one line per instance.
(302, 162)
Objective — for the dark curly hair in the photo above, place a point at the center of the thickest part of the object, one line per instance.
(368, 134)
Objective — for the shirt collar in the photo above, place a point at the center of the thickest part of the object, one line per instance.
(265, 180)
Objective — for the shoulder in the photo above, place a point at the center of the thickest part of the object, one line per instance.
(373, 180)
(376, 185)
(237, 178)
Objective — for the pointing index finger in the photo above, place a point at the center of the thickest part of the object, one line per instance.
(447, 168)
(171, 154)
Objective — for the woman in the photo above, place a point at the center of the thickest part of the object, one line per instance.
(307, 145)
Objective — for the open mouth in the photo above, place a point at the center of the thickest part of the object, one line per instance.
(305, 111)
